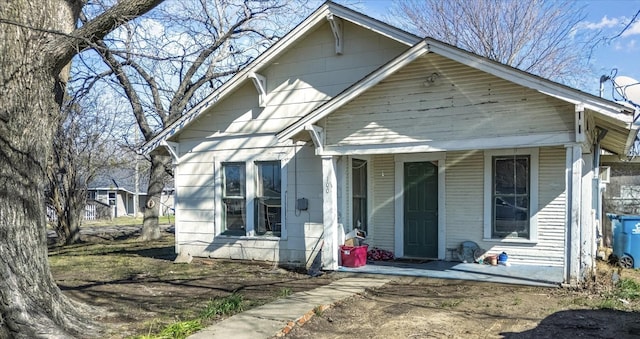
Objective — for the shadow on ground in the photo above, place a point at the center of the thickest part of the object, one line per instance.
(583, 324)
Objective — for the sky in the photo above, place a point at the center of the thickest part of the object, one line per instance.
(611, 16)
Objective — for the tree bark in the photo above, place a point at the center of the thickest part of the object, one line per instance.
(157, 175)
(31, 304)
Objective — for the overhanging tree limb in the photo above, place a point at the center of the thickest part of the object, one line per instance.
(61, 49)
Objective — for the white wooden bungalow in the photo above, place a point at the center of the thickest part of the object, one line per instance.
(349, 122)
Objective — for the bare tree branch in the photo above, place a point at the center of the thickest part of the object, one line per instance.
(128, 88)
(535, 36)
(62, 49)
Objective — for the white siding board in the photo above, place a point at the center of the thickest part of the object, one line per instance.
(197, 229)
(197, 204)
(196, 168)
(196, 214)
(195, 192)
(195, 180)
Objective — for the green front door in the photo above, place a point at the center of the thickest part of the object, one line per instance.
(420, 210)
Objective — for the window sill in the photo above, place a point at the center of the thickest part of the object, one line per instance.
(511, 241)
(252, 237)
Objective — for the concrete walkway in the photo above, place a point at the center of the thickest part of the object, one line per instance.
(280, 316)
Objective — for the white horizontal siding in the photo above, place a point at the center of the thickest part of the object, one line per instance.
(304, 181)
(549, 250)
(464, 182)
(464, 103)
(304, 77)
(552, 206)
(196, 196)
(299, 250)
(464, 198)
(383, 211)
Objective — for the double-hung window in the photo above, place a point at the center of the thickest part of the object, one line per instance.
(511, 194)
(268, 201)
(234, 199)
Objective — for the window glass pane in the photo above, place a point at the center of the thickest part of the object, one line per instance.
(268, 198)
(521, 175)
(359, 194)
(511, 196)
(269, 179)
(235, 216)
(234, 178)
(234, 202)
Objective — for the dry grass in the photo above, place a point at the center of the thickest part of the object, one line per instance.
(142, 291)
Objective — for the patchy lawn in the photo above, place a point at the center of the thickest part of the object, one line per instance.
(142, 291)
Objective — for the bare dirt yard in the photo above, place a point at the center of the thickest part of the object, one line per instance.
(140, 291)
(433, 308)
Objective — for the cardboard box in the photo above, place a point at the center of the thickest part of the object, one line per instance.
(352, 242)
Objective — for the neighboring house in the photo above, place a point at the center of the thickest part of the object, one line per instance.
(348, 122)
(121, 200)
(118, 190)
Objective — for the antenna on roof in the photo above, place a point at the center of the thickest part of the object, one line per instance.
(605, 78)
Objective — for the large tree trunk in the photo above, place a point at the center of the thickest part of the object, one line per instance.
(157, 175)
(31, 305)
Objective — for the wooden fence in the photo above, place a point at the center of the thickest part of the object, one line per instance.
(90, 213)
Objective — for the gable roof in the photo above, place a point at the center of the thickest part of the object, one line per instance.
(119, 178)
(613, 113)
(314, 20)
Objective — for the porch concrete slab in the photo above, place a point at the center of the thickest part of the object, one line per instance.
(547, 276)
(268, 320)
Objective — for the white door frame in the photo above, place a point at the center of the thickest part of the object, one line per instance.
(400, 160)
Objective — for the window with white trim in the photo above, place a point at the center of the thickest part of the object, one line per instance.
(510, 194)
(268, 201)
(234, 214)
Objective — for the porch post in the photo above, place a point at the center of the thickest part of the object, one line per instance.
(330, 213)
(587, 224)
(574, 190)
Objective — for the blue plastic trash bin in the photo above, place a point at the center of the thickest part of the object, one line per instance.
(626, 239)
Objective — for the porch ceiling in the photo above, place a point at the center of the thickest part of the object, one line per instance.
(620, 134)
